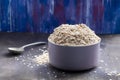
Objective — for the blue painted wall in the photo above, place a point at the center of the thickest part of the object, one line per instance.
(103, 16)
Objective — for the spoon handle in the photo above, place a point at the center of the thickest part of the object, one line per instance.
(31, 44)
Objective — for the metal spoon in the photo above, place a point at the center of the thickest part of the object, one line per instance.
(21, 49)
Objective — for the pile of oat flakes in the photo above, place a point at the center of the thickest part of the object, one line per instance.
(73, 35)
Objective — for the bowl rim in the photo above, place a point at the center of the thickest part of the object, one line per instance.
(74, 46)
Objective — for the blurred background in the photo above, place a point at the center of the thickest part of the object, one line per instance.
(102, 16)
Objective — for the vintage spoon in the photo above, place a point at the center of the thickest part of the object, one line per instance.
(21, 49)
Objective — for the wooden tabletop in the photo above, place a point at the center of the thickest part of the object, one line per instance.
(22, 67)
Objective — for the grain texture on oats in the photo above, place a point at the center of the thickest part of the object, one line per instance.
(73, 35)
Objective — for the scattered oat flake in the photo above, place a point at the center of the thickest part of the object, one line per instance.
(48, 73)
(111, 73)
(44, 47)
(100, 67)
(41, 59)
(55, 76)
(116, 58)
(118, 74)
(95, 71)
(101, 61)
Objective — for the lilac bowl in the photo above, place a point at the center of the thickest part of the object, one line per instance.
(73, 58)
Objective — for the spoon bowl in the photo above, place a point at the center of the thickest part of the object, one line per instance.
(15, 50)
(21, 49)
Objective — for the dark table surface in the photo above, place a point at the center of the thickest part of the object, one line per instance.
(21, 67)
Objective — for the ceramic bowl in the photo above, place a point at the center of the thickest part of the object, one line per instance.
(73, 58)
